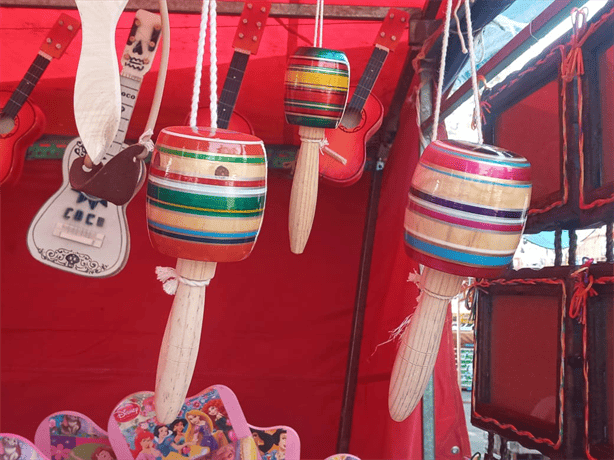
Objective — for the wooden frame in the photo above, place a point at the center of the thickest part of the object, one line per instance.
(584, 200)
(595, 187)
(600, 362)
(516, 88)
(234, 8)
(493, 305)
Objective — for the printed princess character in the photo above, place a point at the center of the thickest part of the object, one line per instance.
(103, 453)
(145, 449)
(200, 431)
(217, 412)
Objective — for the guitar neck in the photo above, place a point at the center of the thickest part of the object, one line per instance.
(367, 80)
(230, 91)
(27, 84)
(130, 90)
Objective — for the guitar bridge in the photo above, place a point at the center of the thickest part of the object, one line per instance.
(78, 234)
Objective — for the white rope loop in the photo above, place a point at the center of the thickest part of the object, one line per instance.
(319, 24)
(209, 11)
(474, 77)
(171, 279)
(442, 68)
(213, 63)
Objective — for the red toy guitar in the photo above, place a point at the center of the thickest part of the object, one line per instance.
(363, 115)
(246, 42)
(22, 122)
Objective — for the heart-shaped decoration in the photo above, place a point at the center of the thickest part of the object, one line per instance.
(71, 435)
(342, 457)
(210, 426)
(16, 447)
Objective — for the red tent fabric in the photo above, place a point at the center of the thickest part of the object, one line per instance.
(276, 326)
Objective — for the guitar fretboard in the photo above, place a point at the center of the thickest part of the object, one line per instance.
(367, 80)
(25, 87)
(130, 91)
(230, 91)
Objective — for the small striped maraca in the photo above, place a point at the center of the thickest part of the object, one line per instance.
(205, 201)
(466, 211)
(316, 89)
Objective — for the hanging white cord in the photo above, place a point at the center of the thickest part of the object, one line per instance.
(442, 68)
(209, 10)
(213, 63)
(319, 24)
(199, 63)
(474, 77)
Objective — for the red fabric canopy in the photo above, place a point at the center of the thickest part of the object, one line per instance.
(276, 326)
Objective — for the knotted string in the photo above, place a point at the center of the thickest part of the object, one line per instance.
(145, 140)
(171, 279)
(583, 289)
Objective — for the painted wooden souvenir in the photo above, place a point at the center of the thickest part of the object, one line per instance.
(205, 202)
(466, 211)
(210, 422)
(316, 91)
(83, 233)
(21, 121)
(347, 150)
(70, 434)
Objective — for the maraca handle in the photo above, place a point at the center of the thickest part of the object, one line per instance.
(181, 340)
(304, 193)
(417, 353)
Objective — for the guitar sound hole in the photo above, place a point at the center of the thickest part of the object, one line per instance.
(352, 120)
(7, 125)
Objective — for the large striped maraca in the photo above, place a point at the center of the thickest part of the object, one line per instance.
(205, 201)
(316, 89)
(465, 215)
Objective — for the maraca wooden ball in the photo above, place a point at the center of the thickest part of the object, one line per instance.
(316, 89)
(205, 202)
(466, 211)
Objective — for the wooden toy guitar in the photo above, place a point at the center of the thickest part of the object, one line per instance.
(80, 233)
(246, 42)
(364, 113)
(22, 122)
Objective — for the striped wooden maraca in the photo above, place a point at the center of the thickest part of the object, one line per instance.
(316, 89)
(466, 211)
(205, 201)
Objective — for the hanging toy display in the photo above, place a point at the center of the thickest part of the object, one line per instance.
(467, 207)
(316, 90)
(205, 202)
